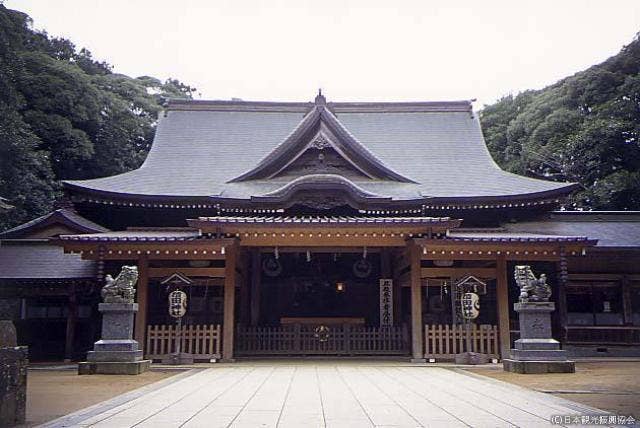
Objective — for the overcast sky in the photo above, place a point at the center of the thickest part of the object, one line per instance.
(355, 50)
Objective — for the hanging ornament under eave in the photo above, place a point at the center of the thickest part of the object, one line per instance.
(271, 266)
(362, 268)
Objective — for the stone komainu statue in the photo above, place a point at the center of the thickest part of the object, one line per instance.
(122, 289)
(532, 289)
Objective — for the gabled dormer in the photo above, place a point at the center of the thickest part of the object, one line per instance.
(59, 222)
(320, 144)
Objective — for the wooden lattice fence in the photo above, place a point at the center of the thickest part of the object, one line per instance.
(445, 341)
(201, 341)
(308, 340)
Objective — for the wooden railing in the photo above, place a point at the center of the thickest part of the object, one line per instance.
(445, 341)
(341, 339)
(201, 341)
(603, 335)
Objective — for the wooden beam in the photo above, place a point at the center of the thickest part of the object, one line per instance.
(502, 293)
(72, 318)
(143, 301)
(228, 325)
(163, 272)
(321, 250)
(458, 272)
(435, 249)
(180, 256)
(417, 350)
(322, 241)
(602, 277)
(200, 249)
(255, 286)
(492, 256)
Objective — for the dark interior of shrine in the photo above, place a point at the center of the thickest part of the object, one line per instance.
(313, 284)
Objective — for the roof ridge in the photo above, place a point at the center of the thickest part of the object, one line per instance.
(338, 107)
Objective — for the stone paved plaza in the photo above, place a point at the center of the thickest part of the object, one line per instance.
(328, 394)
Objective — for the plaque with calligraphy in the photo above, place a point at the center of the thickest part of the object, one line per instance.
(386, 302)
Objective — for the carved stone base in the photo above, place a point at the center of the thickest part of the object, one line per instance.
(116, 352)
(117, 320)
(536, 351)
(114, 368)
(114, 356)
(538, 367)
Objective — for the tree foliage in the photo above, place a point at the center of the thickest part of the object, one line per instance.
(585, 129)
(65, 115)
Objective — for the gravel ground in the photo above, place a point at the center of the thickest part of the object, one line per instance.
(611, 386)
(55, 393)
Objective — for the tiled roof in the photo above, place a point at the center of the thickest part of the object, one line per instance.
(328, 221)
(511, 237)
(60, 216)
(611, 229)
(200, 146)
(138, 235)
(4, 205)
(40, 260)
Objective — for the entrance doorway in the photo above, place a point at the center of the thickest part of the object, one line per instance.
(319, 303)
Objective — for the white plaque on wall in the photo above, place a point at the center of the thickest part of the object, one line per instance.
(386, 302)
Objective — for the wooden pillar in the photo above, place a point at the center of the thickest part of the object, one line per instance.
(245, 302)
(72, 318)
(627, 310)
(255, 286)
(561, 299)
(417, 351)
(502, 293)
(228, 325)
(143, 301)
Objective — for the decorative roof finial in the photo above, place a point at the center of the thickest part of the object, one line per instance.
(320, 99)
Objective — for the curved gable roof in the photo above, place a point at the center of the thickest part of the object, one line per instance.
(431, 151)
(60, 217)
(321, 128)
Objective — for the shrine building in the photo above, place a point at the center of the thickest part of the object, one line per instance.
(324, 228)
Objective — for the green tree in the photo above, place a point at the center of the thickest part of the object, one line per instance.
(65, 115)
(584, 129)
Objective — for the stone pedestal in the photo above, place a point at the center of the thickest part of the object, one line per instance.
(13, 377)
(13, 385)
(536, 351)
(8, 336)
(116, 352)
